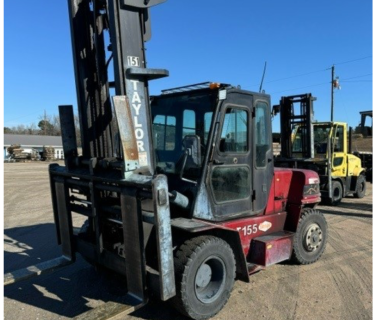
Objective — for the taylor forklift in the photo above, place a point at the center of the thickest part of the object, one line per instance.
(324, 147)
(179, 188)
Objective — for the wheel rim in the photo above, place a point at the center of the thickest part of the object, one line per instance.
(361, 186)
(210, 279)
(336, 193)
(313, 237)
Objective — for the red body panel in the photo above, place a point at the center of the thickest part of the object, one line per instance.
(279, 191)
(253, 227)
(283, 209)
(268, 250)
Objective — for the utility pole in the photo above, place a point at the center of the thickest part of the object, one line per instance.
(45, 126)
(332, 87)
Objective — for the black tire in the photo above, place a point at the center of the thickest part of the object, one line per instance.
(360, 189)
(311, 236)
(85, 232)
(205, 271)
(337, 193)
(369, 175)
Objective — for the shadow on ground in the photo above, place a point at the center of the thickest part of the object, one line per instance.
(357, 206)
(365, 210)
(70, 291)
(25, 246)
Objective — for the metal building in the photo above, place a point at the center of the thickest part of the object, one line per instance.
(27, 141)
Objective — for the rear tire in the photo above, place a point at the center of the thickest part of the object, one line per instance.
(311, 236)
(369, 175)
(205, 270)
(337, 193)
(85, 232)
(360, 189)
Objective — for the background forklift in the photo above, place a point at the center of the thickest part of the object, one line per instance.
(183, 191)
(324, 147)
(362, 142)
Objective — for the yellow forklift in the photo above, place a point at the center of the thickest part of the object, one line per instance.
(324, 147)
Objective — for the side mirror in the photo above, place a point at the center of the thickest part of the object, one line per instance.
(275, 110)
(192, 145)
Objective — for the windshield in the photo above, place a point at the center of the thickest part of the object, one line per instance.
(175, 117)
(321, 135)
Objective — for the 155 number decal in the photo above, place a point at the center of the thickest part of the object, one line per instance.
(248, 230)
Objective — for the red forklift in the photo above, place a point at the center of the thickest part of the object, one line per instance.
(181, 185)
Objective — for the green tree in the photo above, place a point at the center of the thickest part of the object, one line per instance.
(46, 128)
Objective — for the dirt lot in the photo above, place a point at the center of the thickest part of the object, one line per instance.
(338, 286)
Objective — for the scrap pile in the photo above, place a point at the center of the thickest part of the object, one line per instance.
(361, 143)
(14, 148)
(19, 154)
(48, 153)
(362, 148)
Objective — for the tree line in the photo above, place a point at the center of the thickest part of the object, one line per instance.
(48, 125)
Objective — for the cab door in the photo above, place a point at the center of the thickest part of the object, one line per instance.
(339, 151)
(230, 172)
(262, 154)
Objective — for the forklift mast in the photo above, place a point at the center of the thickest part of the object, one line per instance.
(105, 34)
(366, 130)
(100, 184)
(290, 117)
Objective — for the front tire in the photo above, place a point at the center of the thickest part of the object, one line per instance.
(311, 236)
(360, 189)
(205, 271)
(337, 193)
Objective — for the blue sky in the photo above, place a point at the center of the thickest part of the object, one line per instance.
(197, 41)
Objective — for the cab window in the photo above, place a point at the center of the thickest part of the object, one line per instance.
(207, 125)
(339, 139)
(262, 134)
(234, 134)
(230, 183)
(188, 123)
(164, 132)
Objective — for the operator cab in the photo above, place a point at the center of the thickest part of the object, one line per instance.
(322, 132)
(214, 144)
(176, 116)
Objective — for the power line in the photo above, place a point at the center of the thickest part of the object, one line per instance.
(312, 72)
(354, 60)
(320, 84)
(355, 81)
(313, 85)
(298, 75)
(31, 114)
(363, 75)
(290, 77)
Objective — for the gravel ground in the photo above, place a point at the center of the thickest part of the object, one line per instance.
(338, 286)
